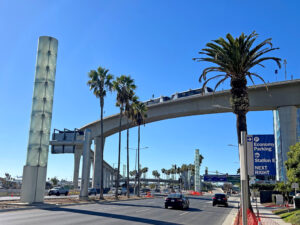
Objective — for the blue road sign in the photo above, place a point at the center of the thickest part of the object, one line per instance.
(264, 154)
(215, 178)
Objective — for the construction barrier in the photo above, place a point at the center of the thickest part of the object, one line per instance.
(149, 195)
(196, 193)
(251, 218)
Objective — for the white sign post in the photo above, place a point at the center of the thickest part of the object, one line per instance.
(296, 186)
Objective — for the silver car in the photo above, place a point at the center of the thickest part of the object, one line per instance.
(58, 191)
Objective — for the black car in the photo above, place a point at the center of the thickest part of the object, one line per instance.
(220, 199)
(177, 200)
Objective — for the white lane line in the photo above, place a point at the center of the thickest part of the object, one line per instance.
(183, 213)
(142, 210)
(150, 202)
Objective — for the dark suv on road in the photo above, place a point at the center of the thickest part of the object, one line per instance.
(220, 199)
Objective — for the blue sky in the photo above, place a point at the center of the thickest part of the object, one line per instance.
(154, 42)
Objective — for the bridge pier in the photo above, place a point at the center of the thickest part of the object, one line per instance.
(86, 165)
(77, 157)
(287, 136)
(97, 161)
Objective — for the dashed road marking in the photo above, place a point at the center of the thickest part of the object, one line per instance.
(142, 210)
(183, 213)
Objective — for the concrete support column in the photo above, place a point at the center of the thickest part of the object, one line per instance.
(97, 162)
(104, 177)
(107, 178)
(288, 135)
(85, 178)
(110, 179)
(35, 170)
(77, 157)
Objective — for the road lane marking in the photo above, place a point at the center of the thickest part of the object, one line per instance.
(142, 210)
(183, 213)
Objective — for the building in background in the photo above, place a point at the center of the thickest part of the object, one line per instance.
(281, 153)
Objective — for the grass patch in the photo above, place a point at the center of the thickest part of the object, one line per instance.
(290, 216)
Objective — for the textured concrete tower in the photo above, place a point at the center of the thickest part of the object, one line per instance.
(35, 170)
(197, 172)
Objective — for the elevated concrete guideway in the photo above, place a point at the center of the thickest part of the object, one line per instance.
(279, 94)
(282, 96)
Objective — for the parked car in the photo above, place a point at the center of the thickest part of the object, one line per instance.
(220, 199)
(113, 191)
(92, 191)
(177, 200)
(58, 191)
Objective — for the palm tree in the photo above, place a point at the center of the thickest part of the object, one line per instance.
(132, 173)
(144, 171)
(140, 113)
(100, 82)
(234, 58)
(155, 173)
(124, 86)
(129, 113)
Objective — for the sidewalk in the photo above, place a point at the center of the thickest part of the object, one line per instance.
(266, 215)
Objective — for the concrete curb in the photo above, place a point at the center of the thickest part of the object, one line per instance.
(231, 217)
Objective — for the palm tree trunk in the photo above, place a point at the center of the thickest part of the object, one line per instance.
(139, 132)
(127, 159)
(119, 155)
(102, 149)
(241, 125)
(240, 104)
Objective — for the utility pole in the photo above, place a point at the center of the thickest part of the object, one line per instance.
(284, 62)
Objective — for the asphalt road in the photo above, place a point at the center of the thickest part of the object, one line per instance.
(146, 211)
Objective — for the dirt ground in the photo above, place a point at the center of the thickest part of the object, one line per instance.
(61, 201)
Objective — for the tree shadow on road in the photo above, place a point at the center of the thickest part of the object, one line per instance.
(133, 205)
(111, 215)
(201, 199)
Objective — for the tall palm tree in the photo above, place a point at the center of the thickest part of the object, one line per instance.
(144, 171)
(124, 86)
(100, 82)
(234, 58)
(129, 113)
(140, 114)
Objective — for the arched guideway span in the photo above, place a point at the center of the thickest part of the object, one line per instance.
(282, 96)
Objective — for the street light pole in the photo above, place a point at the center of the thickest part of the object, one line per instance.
(136, 156)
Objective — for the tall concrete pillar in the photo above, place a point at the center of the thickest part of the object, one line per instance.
(104, 177)
(197, 172)
(288, 136)
(77, 157)
(35, 170)
(85, 178)
(97, 162)
(93, 166)
(110, 179)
